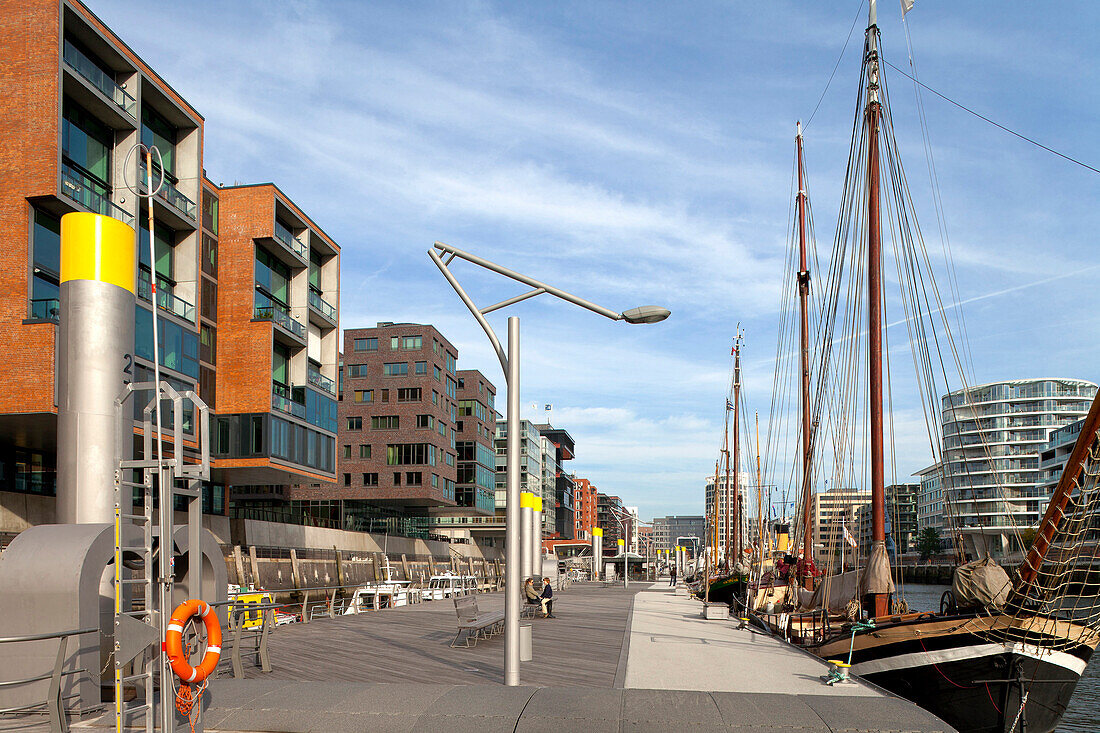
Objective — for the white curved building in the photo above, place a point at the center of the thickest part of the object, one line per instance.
(992, 437)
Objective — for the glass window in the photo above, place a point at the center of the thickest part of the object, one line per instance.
(421, 367)
(364, 451)
(355, 423)
(347, 479)
(315, 270)
(156, 130)
(385, 395)
(347, 451)
(370, 344)
(272, 276)
(385, 422)
(280, 364)
(395, 342)
(409, 394)
(364, 395)
(414, 478)
(370, 479)
(208, 344)
(399, 369)
(436, 373)
(210, 211)
(209, 300)
(86, 142)
(209, 255)
(164, 241)
(411, 342)
(357, 370)
(47, 259)
(425, 421)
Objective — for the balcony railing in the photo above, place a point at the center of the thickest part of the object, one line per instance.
(320, 381)
(46, 309)
(102, 81)
(171, 195)
(166, 299)
(268, 310)
(295, 245)
(90, 194)
(319, 304)
(281, 400)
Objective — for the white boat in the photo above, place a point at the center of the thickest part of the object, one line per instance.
(389, 593)
(447, 586)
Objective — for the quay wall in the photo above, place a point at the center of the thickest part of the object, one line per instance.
(930, 574)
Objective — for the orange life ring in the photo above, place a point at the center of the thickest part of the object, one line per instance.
(173, 641)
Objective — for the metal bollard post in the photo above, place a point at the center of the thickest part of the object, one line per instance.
(525, 654)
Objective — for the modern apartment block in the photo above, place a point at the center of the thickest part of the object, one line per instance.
(76, 101)
(397, 437)
(901, 521)
(610, 514)
(475, 427)
(559, 489)
(666, 530)
(992, 437)
(716, 490)
(1053, 458)
(830, 512)
(584, 508)
(930, 510)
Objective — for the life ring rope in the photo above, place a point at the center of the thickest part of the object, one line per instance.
(173, 641)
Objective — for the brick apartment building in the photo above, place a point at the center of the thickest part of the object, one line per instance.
(607, 509)
(584, 508)
(397, 430)
(76, 100)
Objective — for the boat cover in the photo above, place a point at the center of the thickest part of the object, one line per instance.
(877, 577)
(981, 583)
(833, 593)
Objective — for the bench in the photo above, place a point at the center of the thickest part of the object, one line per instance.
(475, 625)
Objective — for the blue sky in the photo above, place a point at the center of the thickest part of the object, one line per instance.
(639, 153)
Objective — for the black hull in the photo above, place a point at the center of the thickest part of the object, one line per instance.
(955, 691)
(724, 590)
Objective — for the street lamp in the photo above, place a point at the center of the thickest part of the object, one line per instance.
(509, 362)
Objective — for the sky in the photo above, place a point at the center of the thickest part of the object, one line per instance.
(642, 153)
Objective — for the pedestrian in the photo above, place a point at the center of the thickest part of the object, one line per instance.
(547, 599)
(672, 576)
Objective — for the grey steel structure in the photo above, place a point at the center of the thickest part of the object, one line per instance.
(509, 362)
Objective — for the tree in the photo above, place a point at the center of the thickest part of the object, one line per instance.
(928, 543)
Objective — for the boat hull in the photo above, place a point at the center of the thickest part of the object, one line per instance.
(972, 671)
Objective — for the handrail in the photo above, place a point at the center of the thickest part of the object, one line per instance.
(54, 701)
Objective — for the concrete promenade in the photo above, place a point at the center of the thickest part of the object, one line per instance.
(640, 661)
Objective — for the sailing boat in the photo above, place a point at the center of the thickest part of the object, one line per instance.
(1009, 661)
(727, 584)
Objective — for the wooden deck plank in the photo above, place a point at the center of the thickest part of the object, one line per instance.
(411, 644)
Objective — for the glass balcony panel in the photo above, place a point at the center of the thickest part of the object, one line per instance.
(91, 194)
(319, 304)
(46, 309)
(170, 194)
(166, 299)
(100, 79)
(268, 310)
(321, 381)
(293, 243)
(281, 400)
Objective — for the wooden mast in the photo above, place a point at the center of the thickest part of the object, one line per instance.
(732, 489)
(725, 461)
(874, 295)
(804, 320)
(759, 493)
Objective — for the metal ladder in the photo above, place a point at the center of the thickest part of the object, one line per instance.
(139, 628)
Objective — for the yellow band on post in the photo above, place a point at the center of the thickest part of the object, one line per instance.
(96, 247)
(538, 504)
(621, 542)
(597, 532)
(526, 500)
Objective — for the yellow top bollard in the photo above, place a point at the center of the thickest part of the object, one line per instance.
(96, 247)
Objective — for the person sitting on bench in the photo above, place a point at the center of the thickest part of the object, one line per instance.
(532, 595)
(547, 599)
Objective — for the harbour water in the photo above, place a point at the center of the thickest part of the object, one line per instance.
(1083, 713)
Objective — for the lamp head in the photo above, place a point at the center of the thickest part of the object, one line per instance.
(646, 314)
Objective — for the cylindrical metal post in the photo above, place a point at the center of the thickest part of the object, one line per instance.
(526, 523)
(525, 653)
(597, 552)
(622, 551)
(95, 359)
(536, 536)
(513, 580)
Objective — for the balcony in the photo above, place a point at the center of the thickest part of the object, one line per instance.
(319, 305)
(46, 309)
(320, 381)
(171, 195)
(291, 242)
(268, 310)
(166, 299)
(99, 79)
(281, 399)
(90, 194)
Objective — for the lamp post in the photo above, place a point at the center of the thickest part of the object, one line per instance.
(509, 362)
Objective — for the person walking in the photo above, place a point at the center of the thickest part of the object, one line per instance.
(547, 599)
(672, 576)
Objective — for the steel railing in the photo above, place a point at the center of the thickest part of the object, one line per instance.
(55, 701)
